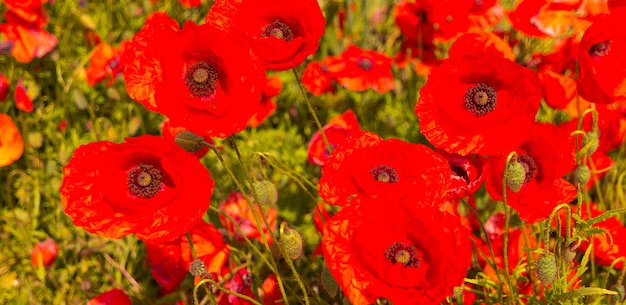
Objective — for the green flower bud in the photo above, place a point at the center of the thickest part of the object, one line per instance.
(292, 243)
(189, 141)
(546, 268)
(515, 175)
(265, 191)
(582, 174)
(591, 140)
(569, 253)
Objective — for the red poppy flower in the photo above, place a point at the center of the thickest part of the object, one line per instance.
(602, 65)
(238, 208)
(538, 188)
(29, 13)
(137, 187)
(104, 62)
(467, 174)
(11, 143)
(111, 297)
(282, 33)
(367, 165)
(22, 100)
(28, 42)
(200, 77)
(190, 3)
(559, 90)
(485, 14)
(4, 87)
(171, 260)
(401, 250)
(316, 79)
(474, 44)
(542, 18)
(320, 217)
(169, 132)
(44, 253)
(337, 131)
(273, 86)
(480, 105)
(359, 70)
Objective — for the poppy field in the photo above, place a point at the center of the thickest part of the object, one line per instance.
(312, 152)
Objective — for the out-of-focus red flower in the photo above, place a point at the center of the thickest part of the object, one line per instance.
(28, 42)
(104, 62)
(11, 143)
(22, 100)
(542, 18)
(200, 77)
(169, 132)
(136, 187)
(359, 70)
(476, 44)
(337, 131)
(417, 32)
(238, 208)
(283, 33)
(44, 253)
(111, 297)
(478, 105)
(273, 86)
(558, 90)
(62, 125)
(402, 250)
(92, 38)
(601, 58)
(4, 87)
(545, 158)
(241, 282)
(30, 13)
(485, 14)
(367, 165)
(190, 3)
(316, 79)
(170, 261)
(467, 174)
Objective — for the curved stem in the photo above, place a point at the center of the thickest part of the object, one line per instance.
(507, 223)
(312, 111)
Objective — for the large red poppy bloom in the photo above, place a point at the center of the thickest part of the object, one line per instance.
(401, 250)
(282, 32)
(11, 143)
(147, 186)
(358, 70)
(367, 165)
(480, 105)
(337, 131)
(601, 58)
(546, 157)
(200, 77)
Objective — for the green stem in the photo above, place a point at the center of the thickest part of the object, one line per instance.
(312, 111)
(507, 223)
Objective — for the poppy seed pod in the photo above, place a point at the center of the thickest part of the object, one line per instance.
(515, 175)
(546, 268)
(265, 192)
(189, 141)
(582, 174)
(292, 242)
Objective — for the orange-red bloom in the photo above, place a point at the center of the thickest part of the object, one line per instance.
(22, 100)
(24, 29)
(359, 70)
(111, 297)
(337, 131)
(282, 32)
(601, 58)
(104, 62)
(4, 87)
(238, 208)
(200, 77)
(44, 253)
(147, 186)
(28, 12)
(401, 250)
(11, 143)
(543, 18)
(367, 165)
(316, 79)
(273, 86)
(478, 105)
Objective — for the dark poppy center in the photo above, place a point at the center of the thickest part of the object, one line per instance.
(530, 168)
(460, 172)
(384, 173)
(480, 99)
(144, 180)
(601, 48)
(279, 30)
(365, 63)
(201, 79)
(403, 253)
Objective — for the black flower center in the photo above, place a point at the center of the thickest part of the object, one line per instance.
(403, 253)
(480, 99)
(460, 172)
(530, 168)
(384, 173)
(279, 30)
(601, 48)
(365, 63)
(201, 79)
(144, 181)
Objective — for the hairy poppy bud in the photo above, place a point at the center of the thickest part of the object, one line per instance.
(189, 141)
(582, 174)
(591, 140)
(569, 253)
(292, 242)
(546, 268)
(265, 191)
(197, 268)
(515, 175)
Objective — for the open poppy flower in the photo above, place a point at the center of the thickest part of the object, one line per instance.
(337, 131)
(539, 187)
(367, 165)
(359, 70)
(316, 79)
(467, 174)
(283, 33)
(28, 43)
(273, 86)
(474, 44)
(147, 186)
(541, 18)
(111, 297)
(200, 77)
(403, 250)
(11, 143)
(238, 208)
(478, 105)
(30, 13)
(104, 62)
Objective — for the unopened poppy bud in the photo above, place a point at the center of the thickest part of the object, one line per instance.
(515, 175)
(328, 282)
(569, 253)
(546, 268)
(265, 191)
(292, 242)
(591, 141)
(189, 141)
(197, 268)
(582, 174)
